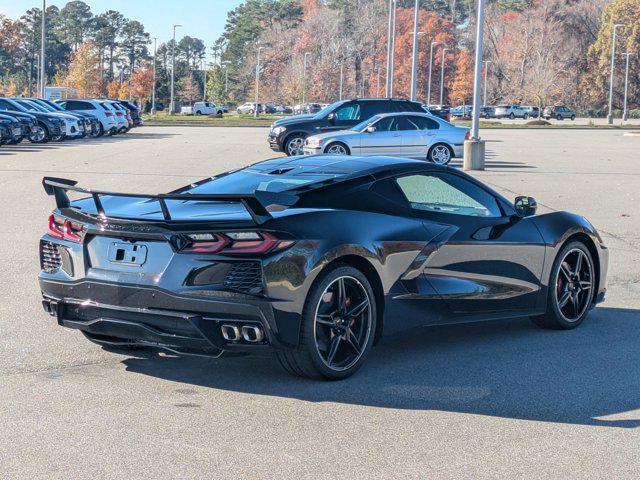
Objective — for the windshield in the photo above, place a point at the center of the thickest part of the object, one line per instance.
(29, 106)
(362, 125)
(43, 105)
(328, 109)
(249, 181)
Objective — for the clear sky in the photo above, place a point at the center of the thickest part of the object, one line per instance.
(203, 19)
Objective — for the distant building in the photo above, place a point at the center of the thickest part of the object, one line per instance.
(59, 93)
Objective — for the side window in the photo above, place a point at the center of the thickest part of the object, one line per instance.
(6, 106)
(410, 107)
(450, 194)
(404, 124)
(386, 124)
(348, 113)
(424, 123)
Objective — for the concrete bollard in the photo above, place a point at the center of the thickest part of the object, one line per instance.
(473, 155)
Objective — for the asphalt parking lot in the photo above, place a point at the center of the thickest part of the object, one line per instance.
(492, 400)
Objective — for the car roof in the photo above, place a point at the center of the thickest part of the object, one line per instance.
(413, 114)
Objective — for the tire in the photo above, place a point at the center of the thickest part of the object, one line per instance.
(559, 117)
(440, 154)
(293, 144)
(58, 138)
(350, 339)
(564, 313)
(337, 148)
(573, 117)
(100, 131)
(198, 112)
(41, 135)
(512, 116)
(525, 116)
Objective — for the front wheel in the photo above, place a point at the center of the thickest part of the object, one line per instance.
(559, 117)
(293, 145)
(512, 116)
(573, 117)
(338, 326)
(571, 288)
(337, 148)
(439, 154)
(525, 116)
(39, 135)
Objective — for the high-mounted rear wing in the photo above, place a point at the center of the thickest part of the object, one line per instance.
(255, 203)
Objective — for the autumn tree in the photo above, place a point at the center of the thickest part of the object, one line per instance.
(142, 83)
(188, 89)
(84, 71)
(462, 84)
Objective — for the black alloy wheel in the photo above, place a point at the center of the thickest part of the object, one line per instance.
(571, 288)
(339, 323)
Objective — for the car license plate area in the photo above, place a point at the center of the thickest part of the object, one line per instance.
(127, 253)
(120, 255)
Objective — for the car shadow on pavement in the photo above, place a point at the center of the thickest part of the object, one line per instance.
(509, 369)
(36, 147)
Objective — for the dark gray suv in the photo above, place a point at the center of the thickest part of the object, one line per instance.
(559, 112)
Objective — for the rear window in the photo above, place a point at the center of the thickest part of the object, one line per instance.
(248, 181)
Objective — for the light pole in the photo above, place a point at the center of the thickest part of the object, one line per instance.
(204, 85)
(304, 78)
(153, 90)
(43, 76)
(433, 44)
(444, 56)
(613, 57)
(256, 107)
(414, 60)
(626, 84)
(390, 33)
(173, 68)
(341, 77)
(474, 148)
(393, 49)
(486, 74)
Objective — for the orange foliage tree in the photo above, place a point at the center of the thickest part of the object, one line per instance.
(84, 73)
(462, 84)
(142, 84)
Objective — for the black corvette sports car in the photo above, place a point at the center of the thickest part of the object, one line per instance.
(314, 258)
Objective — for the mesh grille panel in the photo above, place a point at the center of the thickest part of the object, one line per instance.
(50, 260)
(245, 277)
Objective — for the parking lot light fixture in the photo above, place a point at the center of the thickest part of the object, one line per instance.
(626, 84)
(486, 75)
(43, 76)
(433, 44)
(173, 68)
(304, 78)
(153, 89)
(414, 60)
(256, 107)
(613, 59)
(444, 56)
(390, 34)
(474, 148)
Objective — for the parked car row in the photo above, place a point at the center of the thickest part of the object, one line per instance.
(41, 121)
(513, 111)
(370, 126)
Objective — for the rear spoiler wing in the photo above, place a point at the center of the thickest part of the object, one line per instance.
(255, 203)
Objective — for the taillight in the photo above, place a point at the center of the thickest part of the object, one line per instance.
(235, 243)
(66, 229)
(467, 135)
(109, 114)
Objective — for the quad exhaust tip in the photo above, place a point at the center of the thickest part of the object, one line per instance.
(248, 333)
(252, 334)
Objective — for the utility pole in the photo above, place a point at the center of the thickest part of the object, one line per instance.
(153, 90)
(626, 84)
(433, 44)
(389, 42)
(474, 148)
(414, 59)
(256, 107)
(173, 68)
(304, 78)
(378, 82)
(444, 56)
(613, 58)
(204, 87)
(393, 50)
(43, 75)
(486, 74)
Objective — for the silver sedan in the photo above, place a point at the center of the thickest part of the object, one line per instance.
(413, 135)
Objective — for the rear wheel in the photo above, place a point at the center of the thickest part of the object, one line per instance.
(525, 116)
(338, 326)
(337, 148)
(573, 117)
(559, 117)
(571, 288)
(440, 154)
(512, 116)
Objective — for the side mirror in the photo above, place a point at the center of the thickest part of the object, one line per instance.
(331, 117)
(370, 129)
(525, 206)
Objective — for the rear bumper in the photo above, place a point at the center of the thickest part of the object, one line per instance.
(133, 314)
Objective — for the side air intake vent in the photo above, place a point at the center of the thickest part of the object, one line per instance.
(245, 277)
(50, 259)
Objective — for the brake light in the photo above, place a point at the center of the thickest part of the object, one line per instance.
(66, 229)
(467, 135)
(109, 114)
(235, 243)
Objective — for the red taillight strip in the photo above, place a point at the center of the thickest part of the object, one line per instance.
(66, 230)
(254, 246)
(226, 246)
(209, 247)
